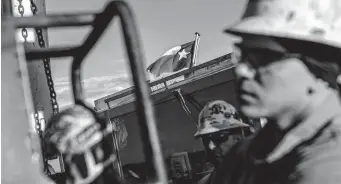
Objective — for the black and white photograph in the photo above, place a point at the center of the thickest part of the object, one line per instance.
(170, 92)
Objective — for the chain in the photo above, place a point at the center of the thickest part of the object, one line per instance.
(53, 97)
(21, 11)
(46, 62)
(40, 133)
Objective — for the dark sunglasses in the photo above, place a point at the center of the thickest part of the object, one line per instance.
(260, 57)
(221, 137)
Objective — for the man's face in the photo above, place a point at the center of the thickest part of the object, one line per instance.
(269, 83)
(219, 143)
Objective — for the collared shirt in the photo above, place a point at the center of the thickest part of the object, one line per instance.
(310, 153)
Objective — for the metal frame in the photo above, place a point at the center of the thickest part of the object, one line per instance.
(20, 163)
(100, 22)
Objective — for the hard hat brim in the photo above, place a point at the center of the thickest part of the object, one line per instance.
(273, 26)
(258, 26)
(232, 125)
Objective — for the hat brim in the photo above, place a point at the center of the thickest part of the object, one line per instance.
(315, 46)
(233, 124)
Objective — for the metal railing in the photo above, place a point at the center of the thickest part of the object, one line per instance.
(99, 22)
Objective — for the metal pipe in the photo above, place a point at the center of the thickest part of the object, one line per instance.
(145, 111)
(117, 150)
(6, 8)
(40, 53)
(66, 20)
(152, 148)
(100, 23)
(194, 102)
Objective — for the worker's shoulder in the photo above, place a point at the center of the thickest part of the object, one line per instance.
(206, 179)
(321, 161)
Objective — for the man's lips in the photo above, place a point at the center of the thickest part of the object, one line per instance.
(243, 92)
(246, 96)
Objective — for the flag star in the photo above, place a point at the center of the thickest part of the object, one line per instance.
(183, 54)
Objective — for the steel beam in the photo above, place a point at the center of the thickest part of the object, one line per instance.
(20, 164)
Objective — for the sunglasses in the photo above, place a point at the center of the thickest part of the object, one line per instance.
(220, 137)
(260, 57)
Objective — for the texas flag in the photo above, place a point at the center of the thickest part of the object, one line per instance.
(175, 59)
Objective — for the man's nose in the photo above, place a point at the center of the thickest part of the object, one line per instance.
(242, 70)
(211, 145)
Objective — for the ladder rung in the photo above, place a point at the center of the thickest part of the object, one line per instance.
(55, 20)
(39, 53)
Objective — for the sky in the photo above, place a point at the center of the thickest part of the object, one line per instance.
(162, 24)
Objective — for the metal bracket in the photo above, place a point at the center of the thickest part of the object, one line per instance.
(180, 98)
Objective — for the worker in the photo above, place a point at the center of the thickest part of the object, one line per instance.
(290, 62)
(85, 146)
(219, 127)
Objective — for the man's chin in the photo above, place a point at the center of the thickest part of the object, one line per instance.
(252, 111)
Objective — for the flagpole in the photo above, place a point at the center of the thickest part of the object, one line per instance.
(196, 46)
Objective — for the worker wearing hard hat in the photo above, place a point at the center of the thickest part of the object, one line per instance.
(290, 62)
(87, 154)
(219, 127)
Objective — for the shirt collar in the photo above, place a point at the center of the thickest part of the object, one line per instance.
(328, 110)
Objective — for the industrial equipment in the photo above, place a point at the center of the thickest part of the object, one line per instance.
(16, 115)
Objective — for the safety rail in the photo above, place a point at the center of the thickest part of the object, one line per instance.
(99, 22)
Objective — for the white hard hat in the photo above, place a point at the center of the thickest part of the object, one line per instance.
(216, 116)
(312, 21)
(75, 133)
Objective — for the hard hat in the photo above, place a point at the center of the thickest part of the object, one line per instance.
(75, 133)
(216, 116)
(311, 21)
